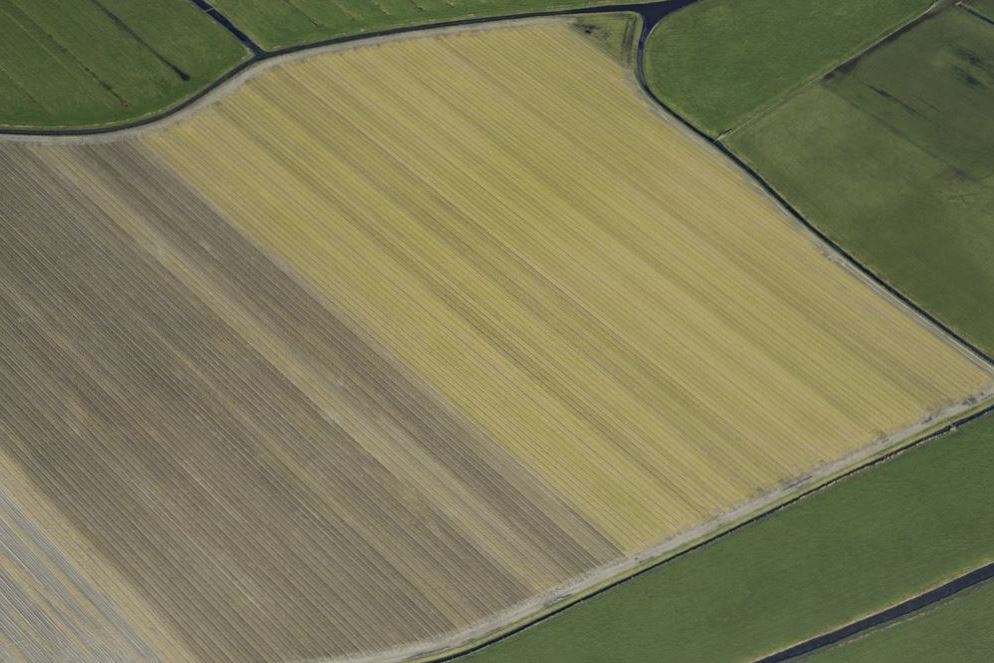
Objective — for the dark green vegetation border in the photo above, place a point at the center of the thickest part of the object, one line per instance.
(94, 62)
(719, 61)
(956, 630)
(892, 156)
(890, 531)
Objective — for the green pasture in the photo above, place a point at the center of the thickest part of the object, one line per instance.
(958, 629)
(717, 62)
(893, 158)
(983, 7)
(96, 62)
(276, 25)
(870, 541)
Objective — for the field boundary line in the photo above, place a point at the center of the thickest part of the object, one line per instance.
(848, 259)
(894, 32)
(215, 14)
(910, 606)
(471, 640)
(973, 12)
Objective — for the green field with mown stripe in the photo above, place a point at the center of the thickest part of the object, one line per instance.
(97, 62)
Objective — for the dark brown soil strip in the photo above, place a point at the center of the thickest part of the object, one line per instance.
(893, 613)
(119, 22)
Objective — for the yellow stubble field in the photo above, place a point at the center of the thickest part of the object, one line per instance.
(599, 292)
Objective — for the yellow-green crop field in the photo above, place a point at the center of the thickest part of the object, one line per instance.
(392, 339)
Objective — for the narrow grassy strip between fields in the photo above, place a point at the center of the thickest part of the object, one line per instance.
(617, 34)
(983, 7)
(954, 630)
(870, 541)
(893, 613)
(717, 62)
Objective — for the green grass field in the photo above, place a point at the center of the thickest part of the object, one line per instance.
(868, 542)
(97, 62)
(984, 7)
(958, 629)
(280, 24)
(718, 61)
(894, 160)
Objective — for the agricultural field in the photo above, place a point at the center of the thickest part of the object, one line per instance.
(956, 630)
(853, 549)
(277, 25)
(97, 62)
(59, 602)
(719, 62)
(578, 319)
(274, 486)
(404, 341)
(893, 157)
(983, 7)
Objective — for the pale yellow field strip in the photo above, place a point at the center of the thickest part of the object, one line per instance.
(600, 294)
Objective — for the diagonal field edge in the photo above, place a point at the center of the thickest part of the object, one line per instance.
(947, 428)
(912, 605)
